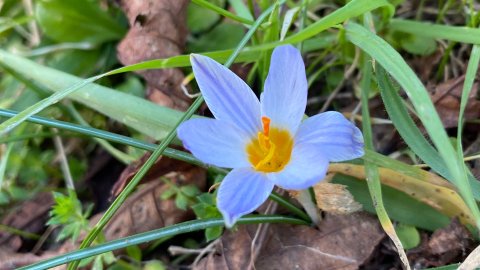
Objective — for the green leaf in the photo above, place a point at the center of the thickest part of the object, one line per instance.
(134, 252)
(200, 18)
(420, 45)
(213, 233)
(181, 201)
(399, 205)
(168, 193)
(222, 37)
(190, 190)
(77, 20)
(436, 31)
(409, 235)
(288, 20)
(154, 265)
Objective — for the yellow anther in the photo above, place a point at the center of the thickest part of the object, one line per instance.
(271, 149)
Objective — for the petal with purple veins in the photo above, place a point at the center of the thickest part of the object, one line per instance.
(285, 95)
(307, 166)
(215, 142)
(338, 138)
(241, 192)
(227, 96)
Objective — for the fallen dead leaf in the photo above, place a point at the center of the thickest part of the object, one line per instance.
(157, 30)
(445, 246)
(446, 97)
(335, 199)
(30, 217)
(162, 166)
(341, 242)
(145, 210)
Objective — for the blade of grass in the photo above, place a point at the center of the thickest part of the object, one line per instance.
(181, 228)
(371, 170)
(454, 33)
(163, 145)
(223, 12)
(386, 56)
(472, 69)
(409, 131)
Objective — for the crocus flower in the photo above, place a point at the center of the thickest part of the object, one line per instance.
(265, 142)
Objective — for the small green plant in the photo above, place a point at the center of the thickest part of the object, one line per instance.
(184, 195)
(68, 213)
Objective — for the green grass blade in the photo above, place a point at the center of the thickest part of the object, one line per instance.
(472, 69)
(410, 133)
(351, 9)
(223, 12)
(386, 56)
(180, 228)
(438, 31)
(371, 171)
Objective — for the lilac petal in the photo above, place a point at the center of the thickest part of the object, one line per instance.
(285, 95)
(307, 166)
(215, 142)
(241, 192)
(228, 97)
(338, 138)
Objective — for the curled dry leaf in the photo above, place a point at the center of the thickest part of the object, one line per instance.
(157, 30)
(341, 242)
(335, 198)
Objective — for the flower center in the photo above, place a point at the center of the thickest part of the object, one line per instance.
(270, 151)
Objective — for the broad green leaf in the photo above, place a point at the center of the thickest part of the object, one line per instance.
(138, 113)
(400, 206)
(77, 20)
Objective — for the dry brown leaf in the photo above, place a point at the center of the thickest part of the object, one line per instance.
(145, 210)
(341, 242)
(335, 198)
(158, 30)
(446, 97)
(162, 166)
(30, 216)
(445, 246)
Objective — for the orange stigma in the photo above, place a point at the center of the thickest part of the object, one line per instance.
(270, 151)
(266, 125)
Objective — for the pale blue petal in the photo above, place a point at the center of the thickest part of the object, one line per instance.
(285, 94)
(307, 166)
(215, 142)
(241, 192)
(227, 96)
(338, 138)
